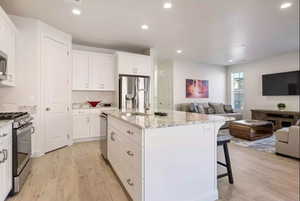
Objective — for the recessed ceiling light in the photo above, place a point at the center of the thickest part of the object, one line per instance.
(168, 5)
(76, 11)
(179, 51)
(286, 5)
(230, 60)
(145, 27)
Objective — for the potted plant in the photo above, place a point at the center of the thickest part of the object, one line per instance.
(281, 106)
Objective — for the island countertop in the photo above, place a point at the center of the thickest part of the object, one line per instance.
(174, 118)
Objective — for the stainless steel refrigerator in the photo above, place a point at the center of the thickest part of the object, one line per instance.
(134, 93)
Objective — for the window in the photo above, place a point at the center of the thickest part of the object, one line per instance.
(237, 90)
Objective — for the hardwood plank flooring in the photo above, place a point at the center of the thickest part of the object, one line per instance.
(78, 173)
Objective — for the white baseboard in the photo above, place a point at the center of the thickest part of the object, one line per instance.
(90, 139)
(37, 154)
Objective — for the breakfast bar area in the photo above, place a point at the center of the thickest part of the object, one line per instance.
(155, 156)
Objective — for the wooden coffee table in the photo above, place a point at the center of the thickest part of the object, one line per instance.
(251, 129)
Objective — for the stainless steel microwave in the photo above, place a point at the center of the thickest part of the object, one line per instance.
(3, 66)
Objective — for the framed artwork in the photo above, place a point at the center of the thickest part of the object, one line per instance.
(197, 88)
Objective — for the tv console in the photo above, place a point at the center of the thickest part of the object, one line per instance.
(279, 118)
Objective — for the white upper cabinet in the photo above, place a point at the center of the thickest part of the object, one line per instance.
(8, 34)
(102, 71)
(134, 64)
(80, 70)
(93, 71)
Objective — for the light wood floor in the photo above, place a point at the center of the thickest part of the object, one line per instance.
(78, 173)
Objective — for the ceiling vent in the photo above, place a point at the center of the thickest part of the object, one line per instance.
(76, 2)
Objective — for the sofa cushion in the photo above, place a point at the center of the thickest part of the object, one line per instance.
(209, 110)
(282, 135)
(201, 108)
(218, 107)
(193, 107)
(228, 109)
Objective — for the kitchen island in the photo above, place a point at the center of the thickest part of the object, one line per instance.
(171, 158)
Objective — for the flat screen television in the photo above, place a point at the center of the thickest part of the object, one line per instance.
(281, 84)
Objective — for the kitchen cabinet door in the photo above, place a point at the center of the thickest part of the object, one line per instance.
(134, 64)
(142, 64)
(2, 174)
(102, 72)
(108, 72)
(123, 64)
(6, 162)
(80, 70)
(94, 125)
(96, 65)
(81, 128)
(7, 45)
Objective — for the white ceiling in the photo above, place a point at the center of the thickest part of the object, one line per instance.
(208, 31)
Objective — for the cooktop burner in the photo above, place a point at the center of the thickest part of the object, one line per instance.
(11, 115)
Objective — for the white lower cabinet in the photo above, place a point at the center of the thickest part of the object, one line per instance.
(5, 161)
(81, 126)
(86, 124)
(125, 156)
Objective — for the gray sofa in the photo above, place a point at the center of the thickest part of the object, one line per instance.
(210, 109)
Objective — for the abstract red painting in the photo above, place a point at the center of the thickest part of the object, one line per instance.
(197, 88)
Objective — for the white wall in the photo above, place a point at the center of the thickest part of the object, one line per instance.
(190, 70)
(165, 85)
(253, 82)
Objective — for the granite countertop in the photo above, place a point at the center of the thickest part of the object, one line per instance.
(95, 108)
(4, 123)
(174, 118)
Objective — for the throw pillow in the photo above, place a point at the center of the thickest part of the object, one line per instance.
(228, 109)
(201, 109)
(209, 110)
(193, 107)
(218, 107)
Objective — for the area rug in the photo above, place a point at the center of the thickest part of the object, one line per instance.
(265, 145)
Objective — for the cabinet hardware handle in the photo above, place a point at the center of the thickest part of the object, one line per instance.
(130, 153)
(4, 135)
(48, 109)
(5, 152)
(2, 161)
(112, 134)
(130, 182)
(32, 130)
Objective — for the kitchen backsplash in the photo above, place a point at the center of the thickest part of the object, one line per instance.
(83, 96)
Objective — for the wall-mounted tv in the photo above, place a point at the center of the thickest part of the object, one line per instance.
(281, 84)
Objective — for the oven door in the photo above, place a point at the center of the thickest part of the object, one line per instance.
(23, 148)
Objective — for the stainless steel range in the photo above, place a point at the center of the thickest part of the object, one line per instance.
(22, 131)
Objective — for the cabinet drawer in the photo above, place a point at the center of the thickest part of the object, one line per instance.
(132, 183)
(125, 158)
(133, 133)
(127, 151)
